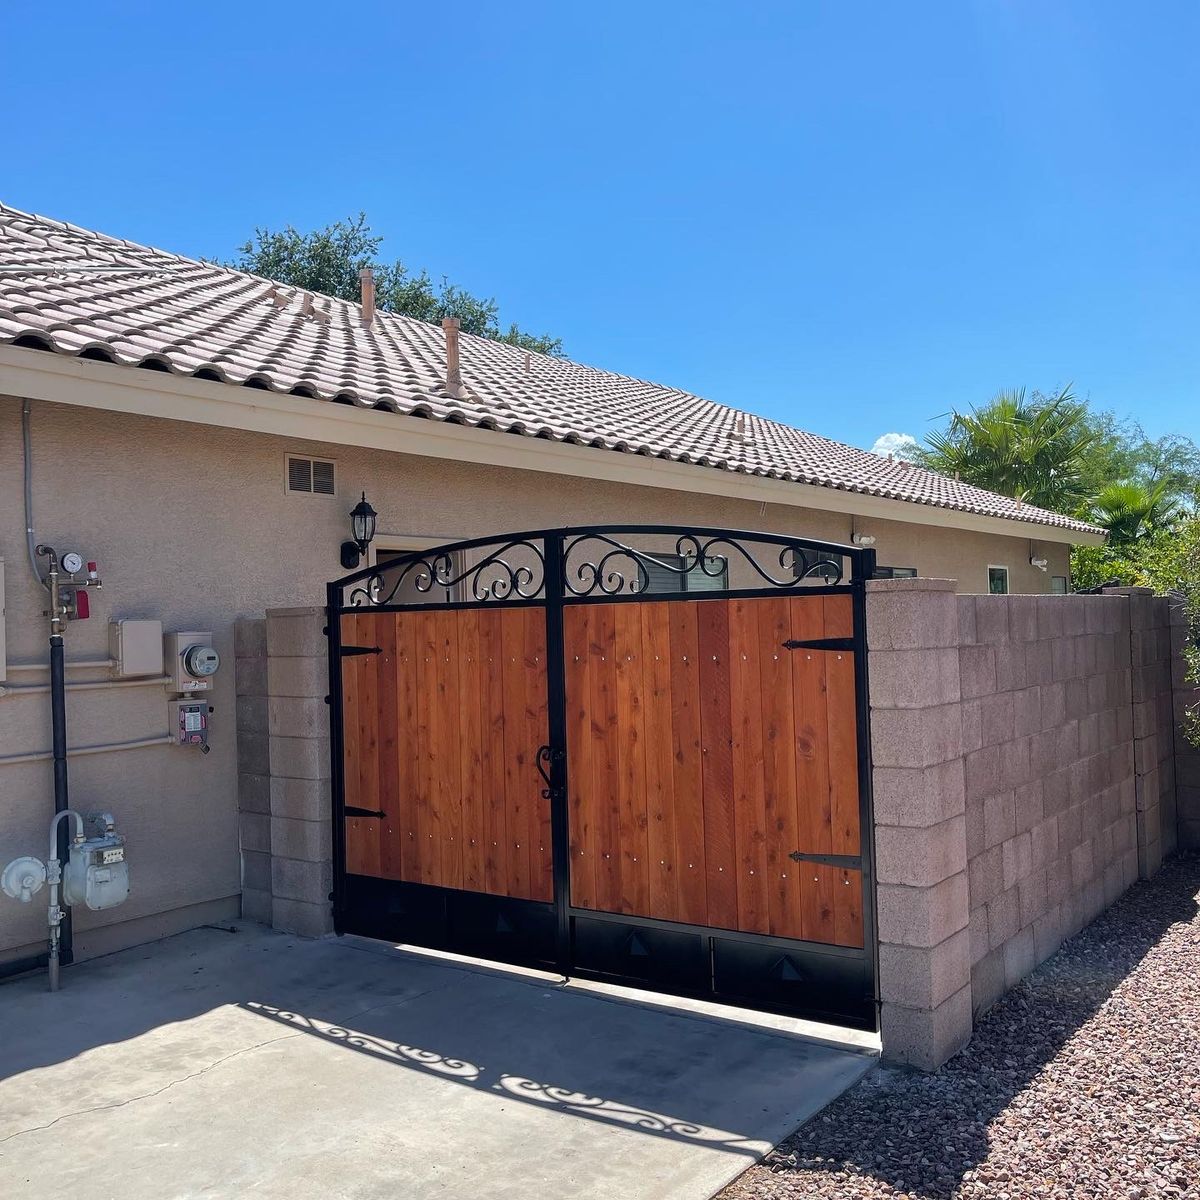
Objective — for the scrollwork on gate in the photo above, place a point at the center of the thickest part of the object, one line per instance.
(596, 564)
(513, 570)
(599, 561)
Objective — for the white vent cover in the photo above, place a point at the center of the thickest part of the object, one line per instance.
(314, 476)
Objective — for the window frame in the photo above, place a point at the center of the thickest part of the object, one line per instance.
(684, 579)
(1007, 579)
(1066, 585)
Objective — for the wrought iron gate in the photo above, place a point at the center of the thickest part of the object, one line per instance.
(635, 753)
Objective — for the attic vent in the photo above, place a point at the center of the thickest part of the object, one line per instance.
(312, 475)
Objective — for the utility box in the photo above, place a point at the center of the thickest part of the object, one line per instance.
(136, 647)
(189, 722)
(191, 661)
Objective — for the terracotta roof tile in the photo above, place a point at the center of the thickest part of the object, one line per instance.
(76, 292)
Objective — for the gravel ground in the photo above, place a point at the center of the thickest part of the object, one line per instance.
(1084, 1081)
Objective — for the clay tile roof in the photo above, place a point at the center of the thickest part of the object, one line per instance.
(83, 293)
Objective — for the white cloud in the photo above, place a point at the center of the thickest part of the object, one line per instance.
(900, 444)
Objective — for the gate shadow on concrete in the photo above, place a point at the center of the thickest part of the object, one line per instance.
(511, 1085)
(882, 1128)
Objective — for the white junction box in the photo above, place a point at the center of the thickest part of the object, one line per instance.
(191, 661)
(136, 647)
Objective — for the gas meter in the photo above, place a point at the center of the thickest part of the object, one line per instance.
(97, 874)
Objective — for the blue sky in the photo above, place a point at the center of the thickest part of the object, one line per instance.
(848, 216)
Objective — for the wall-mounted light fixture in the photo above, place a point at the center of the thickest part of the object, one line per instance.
(362, 530)
(1040, 563)
(863, 539)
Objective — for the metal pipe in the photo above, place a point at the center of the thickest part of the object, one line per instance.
(59, 916)
(27, 461)
(84, 685)
(73, 665)
(162, 739)
(58, 725)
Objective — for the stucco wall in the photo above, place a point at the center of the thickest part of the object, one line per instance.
(192, 525)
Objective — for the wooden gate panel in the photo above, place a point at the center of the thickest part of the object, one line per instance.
(702, 754)
(691, 865)
(716, 763)
(440, 732)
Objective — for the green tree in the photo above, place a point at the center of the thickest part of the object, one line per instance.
(1130, 510)
(1121, 450)
(1031, 447)
(329, 261)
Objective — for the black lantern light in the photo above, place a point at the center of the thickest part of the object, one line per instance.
(362, 529)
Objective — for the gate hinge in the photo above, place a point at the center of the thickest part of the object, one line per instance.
(352, 650)
(351, 811)
(819, 644)
(847, 862)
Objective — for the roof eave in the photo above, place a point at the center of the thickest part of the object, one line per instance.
(87, 383)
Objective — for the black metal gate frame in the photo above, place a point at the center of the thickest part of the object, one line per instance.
(552, 580)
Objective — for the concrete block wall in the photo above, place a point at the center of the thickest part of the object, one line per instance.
(1185, 699)
(299, 790)
(1153, 726)
(1048, 756)
(1026, 769)
(920, 822)
(254, 767)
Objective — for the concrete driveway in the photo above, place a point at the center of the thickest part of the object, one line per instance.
(249, 1063)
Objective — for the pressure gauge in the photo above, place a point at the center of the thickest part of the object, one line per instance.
(201, 661)
(72, 563)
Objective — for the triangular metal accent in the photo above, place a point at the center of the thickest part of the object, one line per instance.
(636, 948)
(502, 925)
(786, 971)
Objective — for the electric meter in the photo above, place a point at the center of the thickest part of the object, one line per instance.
(201, 661)
(190, 661)
(72, 563)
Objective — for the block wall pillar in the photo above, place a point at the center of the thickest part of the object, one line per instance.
(920, 831)
(299, 791)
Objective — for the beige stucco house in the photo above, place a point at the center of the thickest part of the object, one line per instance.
(202, 434)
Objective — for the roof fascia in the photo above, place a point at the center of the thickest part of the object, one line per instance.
(87, 383)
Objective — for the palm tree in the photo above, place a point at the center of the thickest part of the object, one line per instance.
(1131, 510)
(1033, 448)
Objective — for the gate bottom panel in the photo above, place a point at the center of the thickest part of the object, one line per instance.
(779, 977)
(823, 987)
(474, 923)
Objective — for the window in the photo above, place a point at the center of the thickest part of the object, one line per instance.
(821, 570)
(998, 581)
(672, 577)
(388, 547)
(312, 476)
(1058, 585)
(895, 573)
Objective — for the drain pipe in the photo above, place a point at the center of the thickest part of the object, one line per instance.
(58, 726)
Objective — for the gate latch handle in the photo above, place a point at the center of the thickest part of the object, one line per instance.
(547, 756)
